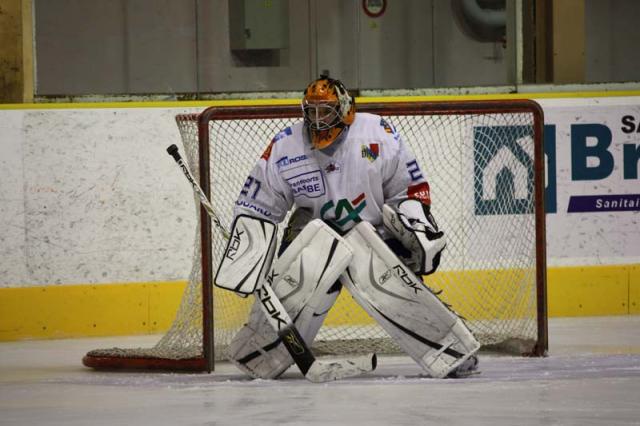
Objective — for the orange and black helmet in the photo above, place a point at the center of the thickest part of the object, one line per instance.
(328, 108)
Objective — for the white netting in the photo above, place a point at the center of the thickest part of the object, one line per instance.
(480, 169)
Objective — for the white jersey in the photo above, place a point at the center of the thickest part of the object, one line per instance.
(371, 166)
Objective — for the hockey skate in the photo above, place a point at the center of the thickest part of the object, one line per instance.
(466, 369)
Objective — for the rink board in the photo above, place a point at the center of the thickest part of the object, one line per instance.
(146, 308)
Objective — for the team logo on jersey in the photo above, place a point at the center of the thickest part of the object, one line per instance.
(309, 184)
(333, 167)
(370, 152)
(345, 213)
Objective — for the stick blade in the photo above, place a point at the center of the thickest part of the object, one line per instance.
(327, 371)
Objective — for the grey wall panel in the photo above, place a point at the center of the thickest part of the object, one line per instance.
(611, 40)
(104, 47)
(220, 71)
(395, 50)
(147, 46)
(115, 47)
(460, 60)
(161, 46)
(80, 46)
(335, 25)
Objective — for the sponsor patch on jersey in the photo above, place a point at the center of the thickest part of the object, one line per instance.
(343, 214)
(286, 161)
(420, 192)
(370, 152)
(309, 184)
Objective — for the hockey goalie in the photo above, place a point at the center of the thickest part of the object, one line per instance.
(361, 220)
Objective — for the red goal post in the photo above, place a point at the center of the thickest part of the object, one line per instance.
(485, 164)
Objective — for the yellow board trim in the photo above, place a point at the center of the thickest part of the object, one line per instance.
(634, 289)
(368, 99)
(594, 290)
(65, 311)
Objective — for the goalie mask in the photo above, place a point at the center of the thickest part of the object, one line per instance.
(328, 109)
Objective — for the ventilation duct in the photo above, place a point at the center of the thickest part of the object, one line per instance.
(482, 20)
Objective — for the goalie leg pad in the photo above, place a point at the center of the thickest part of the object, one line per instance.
(304, 279)
(429, 332)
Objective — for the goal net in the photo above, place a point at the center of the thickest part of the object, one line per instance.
(484, 164)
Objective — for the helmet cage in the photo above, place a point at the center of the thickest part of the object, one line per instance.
(321, 115)
(326, 104)
(327, 108)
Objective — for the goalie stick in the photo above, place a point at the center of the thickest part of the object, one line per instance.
(313, 370)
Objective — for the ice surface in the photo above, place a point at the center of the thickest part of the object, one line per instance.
(591, 377)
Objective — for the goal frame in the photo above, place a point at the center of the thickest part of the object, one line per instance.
(206, 360)
(383, 109)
